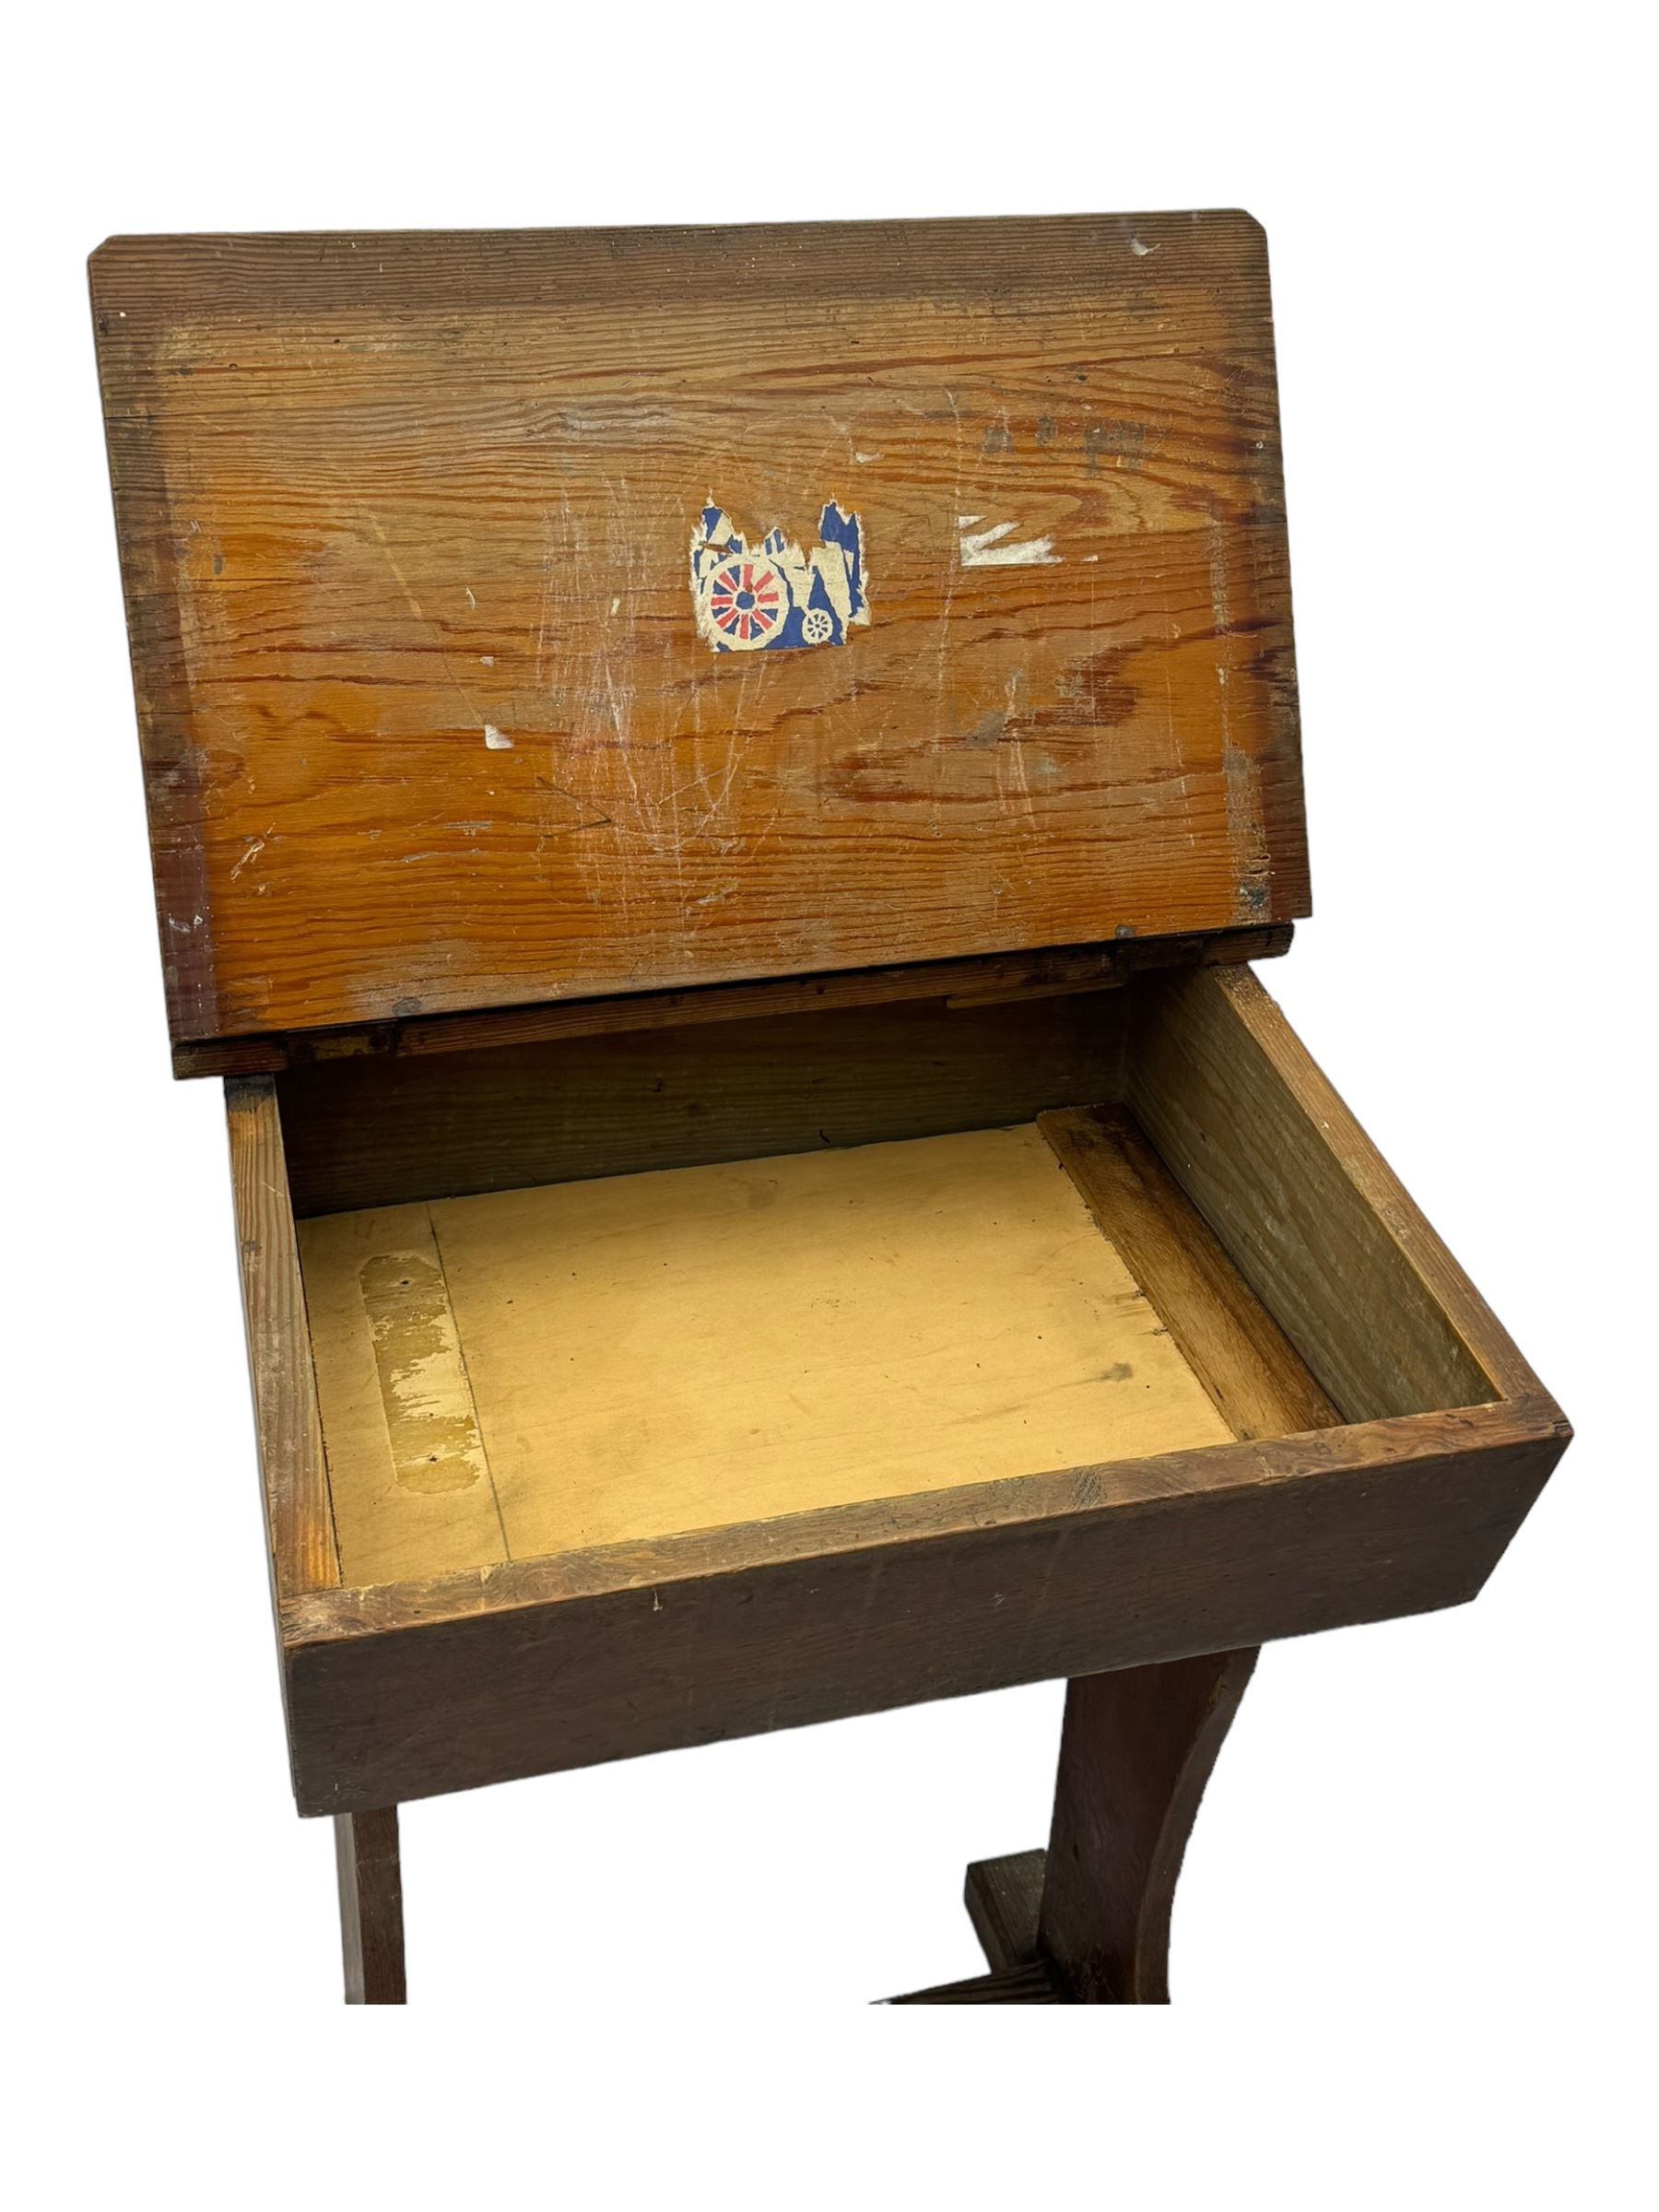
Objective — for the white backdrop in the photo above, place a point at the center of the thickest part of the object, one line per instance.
(1412, 1950)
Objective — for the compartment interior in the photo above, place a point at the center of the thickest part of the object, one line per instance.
(534, 1371)
(620, 1286)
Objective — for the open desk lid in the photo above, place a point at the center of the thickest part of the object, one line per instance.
(536, 614)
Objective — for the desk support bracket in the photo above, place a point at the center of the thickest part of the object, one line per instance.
(1088, 1921)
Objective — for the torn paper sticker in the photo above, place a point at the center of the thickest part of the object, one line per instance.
(777, 595)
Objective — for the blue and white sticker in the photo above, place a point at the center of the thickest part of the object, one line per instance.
(778, 596)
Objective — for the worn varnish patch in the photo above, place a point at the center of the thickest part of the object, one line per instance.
(429, 1418)
(408, 1474)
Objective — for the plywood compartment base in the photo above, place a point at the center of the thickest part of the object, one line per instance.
(536, 1370)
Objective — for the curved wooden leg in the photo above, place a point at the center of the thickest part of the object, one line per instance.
(1087, 1922)
(1136, 1753)
(371, 1932)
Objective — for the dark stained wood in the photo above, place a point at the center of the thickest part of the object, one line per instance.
(1003, 1898)
(1136, 1752)
(1042, 973)
(1227, 1336)
(1137, 1745)
(1093, 1910)
(371, 1931)
(1309, 1212)
(1032, 1984)
(402, 1690)
(427, 721)
(292, 1466)
(371, 1133)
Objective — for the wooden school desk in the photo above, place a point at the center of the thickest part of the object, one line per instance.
(712, 793)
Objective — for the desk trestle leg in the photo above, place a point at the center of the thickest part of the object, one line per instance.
(371, 1931)
(1088, 1921)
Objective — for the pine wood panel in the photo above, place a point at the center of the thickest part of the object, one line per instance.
(292, 1466)
(1051, 972)
(371, 1133)
(427, 721)
(1233, 1345)
(1309, 1213)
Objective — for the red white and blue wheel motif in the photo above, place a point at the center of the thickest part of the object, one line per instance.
(747, 603)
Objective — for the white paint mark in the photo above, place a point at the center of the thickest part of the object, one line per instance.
(1136, 247)
(857, 456)
(470, 600)
(998, 548)
(486, 660)
(496, 740)
(617, 604)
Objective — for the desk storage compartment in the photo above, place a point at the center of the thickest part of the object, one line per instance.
(660, 1386)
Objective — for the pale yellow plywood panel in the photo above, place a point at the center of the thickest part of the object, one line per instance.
(676, 1350)
(590, 1362)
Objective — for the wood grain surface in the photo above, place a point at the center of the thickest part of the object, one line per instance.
(1232, 1344)
(371, 1133)
(543, 1664)
(293, 1469)
(1003, 1898)
(428, 722)
(1033, 1984)
(368, 1866)
(542, 1370)
(1045, 972)
(1308, 1211)
(1136, 1753)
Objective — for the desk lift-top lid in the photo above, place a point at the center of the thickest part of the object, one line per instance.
(555, 615)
